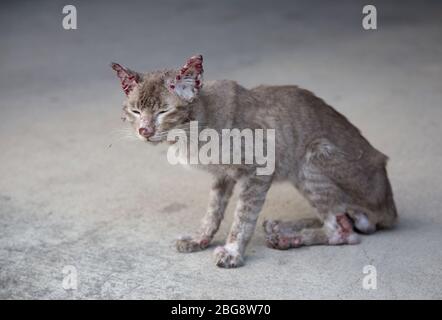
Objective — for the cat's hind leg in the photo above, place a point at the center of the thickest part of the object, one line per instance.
(336, 229)
(285, 234)
(361, 222)
(287, 226)
(323, 176)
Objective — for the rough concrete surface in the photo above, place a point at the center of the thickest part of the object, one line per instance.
(74, 191)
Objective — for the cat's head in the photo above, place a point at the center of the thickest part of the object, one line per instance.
(158, 102)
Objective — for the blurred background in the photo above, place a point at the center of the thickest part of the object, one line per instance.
(75, 191)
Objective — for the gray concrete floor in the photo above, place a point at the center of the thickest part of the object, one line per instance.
(74, 192)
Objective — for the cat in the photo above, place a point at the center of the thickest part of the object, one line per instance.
(317, 150)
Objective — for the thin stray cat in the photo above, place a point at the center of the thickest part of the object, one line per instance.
(317, 149)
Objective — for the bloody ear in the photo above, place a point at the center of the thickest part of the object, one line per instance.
(129, 79)
(188, 81)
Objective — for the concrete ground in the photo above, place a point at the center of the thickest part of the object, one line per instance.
(75, 192)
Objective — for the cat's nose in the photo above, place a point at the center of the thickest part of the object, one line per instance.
(145, 132)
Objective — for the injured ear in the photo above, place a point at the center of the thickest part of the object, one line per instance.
(188, 80)
(129, 79)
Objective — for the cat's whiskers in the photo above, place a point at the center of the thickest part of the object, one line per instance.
(125, 134)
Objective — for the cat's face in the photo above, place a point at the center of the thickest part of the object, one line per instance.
(158, 102)
(153, 110)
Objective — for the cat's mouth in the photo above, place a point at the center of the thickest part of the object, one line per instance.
(155, 139)
(149, 136)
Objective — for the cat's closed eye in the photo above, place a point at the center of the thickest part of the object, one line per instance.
(161, 112)
(135, 111)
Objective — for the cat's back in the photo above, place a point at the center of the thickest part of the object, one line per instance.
(310, 118)
(227, 102)
(294, 100)
(302, 107)
(271, 94)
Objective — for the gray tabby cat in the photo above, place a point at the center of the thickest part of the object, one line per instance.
(317, 149)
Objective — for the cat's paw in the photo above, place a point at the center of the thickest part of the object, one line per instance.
(189, 244)
(281, 242)
(227, 257)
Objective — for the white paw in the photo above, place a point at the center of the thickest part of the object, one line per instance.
(353, 238)
(228, 257)
(338, 238)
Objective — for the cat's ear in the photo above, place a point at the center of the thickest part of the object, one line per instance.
(188, 81)
(129, 79)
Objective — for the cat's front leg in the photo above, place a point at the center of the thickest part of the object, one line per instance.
(220, 194)
(251, 199)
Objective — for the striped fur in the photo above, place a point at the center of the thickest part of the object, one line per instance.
(317, 149)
